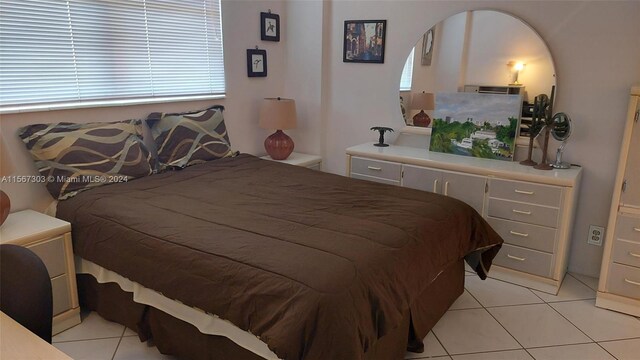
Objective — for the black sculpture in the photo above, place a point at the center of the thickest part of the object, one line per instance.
(382, 130)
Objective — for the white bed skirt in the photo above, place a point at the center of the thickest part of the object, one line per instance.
(206, 323)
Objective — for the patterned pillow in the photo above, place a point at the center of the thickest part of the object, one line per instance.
(190, 138)
(76, 157)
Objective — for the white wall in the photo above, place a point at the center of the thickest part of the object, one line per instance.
(241, 29)
(596, 49)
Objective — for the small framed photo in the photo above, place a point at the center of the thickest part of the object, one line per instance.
(256, 63)
(269, 26)
(427, 46)
(364, 41)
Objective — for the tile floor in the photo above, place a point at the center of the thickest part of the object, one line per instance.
(492, 320)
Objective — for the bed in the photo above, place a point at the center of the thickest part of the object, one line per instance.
(310, 265)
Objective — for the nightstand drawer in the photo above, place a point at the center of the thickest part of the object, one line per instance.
(624, 280)
(628, 228)
(527, 213)
(61, 294)
(380, 169)
(52, 254)
(526, 192)
(527, 260)
(626, 252)
(526, 235)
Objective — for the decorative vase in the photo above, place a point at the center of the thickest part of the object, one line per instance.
(421, 119)
(279, 145)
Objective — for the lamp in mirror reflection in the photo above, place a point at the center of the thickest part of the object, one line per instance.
(517, 67)
(278, 114)
(422, 101)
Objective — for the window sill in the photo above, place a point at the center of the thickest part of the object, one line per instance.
(104, 103)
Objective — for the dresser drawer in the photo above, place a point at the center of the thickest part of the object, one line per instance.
(380, 169)
(375, 179)
(526, 192)
(52, 254)
(628, 228)
(527, 213)
(527, 260)
(624, 280)
(626, 252)
(525, 235)
(61, 294)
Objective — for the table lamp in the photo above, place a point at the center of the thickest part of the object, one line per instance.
(278, 114)
(422, 101)
(6, 169)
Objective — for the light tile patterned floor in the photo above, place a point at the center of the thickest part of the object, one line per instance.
(492, 320)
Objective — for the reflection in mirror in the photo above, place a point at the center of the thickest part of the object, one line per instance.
(477, 51)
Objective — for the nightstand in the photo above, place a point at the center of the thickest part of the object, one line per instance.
(298, 159)
(50, 239)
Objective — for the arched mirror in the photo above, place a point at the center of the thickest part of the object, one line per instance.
(474, 51)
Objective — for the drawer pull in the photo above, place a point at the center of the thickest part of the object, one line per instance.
(374, 168)
(516, 258)
(632, 282)
(435, 186)
(521, 212)
(636, 229)
(518, 233)
(634, 254)
(524, 192)
(446, 188)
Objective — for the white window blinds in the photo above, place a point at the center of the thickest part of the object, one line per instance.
(407, 72)
(75, 50)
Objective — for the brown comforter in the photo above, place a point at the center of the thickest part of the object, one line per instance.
(317, 265)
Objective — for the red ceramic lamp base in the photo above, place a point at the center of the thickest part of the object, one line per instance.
(5, 207)
(421, 119)
(278, 145)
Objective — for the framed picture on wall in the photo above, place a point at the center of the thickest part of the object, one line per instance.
(269, 26)
(427, 46)
(364, 41)
(256, 63)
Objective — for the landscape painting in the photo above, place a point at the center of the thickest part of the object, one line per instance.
(478, 125)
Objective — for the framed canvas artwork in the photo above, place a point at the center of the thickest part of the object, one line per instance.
(478, 125)
(364, 41)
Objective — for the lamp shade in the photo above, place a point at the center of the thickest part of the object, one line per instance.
(423, 101)
(278, 114)
(6, 164)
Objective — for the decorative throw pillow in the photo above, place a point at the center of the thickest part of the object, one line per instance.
(190, 138)
(75, 157)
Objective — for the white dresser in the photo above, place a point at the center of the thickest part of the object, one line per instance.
(619, 287)
(532, 210)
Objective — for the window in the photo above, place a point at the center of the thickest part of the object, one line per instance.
(57, 51)
(407, 72)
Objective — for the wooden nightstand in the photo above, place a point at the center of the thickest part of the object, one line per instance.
(298, 159)
(50, 239)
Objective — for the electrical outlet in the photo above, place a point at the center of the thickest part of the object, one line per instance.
(596, 234)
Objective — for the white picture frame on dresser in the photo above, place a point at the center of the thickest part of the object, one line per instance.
(533, 210)
(50, 239)
(619, 286)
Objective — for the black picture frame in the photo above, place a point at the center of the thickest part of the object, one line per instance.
(258, 69)
(355, 34)
(269, 26)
